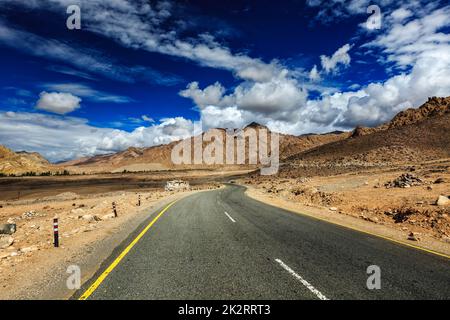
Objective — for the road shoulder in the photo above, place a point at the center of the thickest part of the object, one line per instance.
(427, 243)
(46, 278)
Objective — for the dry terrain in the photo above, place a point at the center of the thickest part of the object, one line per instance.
(401, 198)
(85, 223)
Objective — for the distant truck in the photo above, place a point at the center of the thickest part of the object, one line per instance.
(177, 185)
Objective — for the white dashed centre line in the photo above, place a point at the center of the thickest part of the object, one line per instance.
(303, 281)
(229, 216)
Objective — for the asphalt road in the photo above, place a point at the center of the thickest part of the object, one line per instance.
(223, 245)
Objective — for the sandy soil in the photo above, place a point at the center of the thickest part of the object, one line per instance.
(88, 234)
(363, 198)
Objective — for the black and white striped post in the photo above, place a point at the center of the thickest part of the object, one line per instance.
(139, 200)
(55, 233)
(114, 209)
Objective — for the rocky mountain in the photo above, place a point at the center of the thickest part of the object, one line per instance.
(159, 157)
(434, 107)
(22, 161)
(411, 137)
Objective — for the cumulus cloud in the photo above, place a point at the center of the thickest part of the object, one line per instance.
(339, 58)
(276, 98)
(58, 102)
(314, 74)
(147, 118)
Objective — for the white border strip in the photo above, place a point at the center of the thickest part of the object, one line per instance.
(303, 281)
(229, 217)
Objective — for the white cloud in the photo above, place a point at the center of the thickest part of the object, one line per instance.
(85, 91)
(58, 102)
(401, 14)
(276, 98)
(137, 25)
(314, 74)
(147, 118)
(340, 57)
(211, 95)
(61, 138)
(81, 58)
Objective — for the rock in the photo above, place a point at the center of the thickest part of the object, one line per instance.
(439, 180)
(413, 236)
(29, 249)
(4, 255)
(77, 211)
(443, 201)
(332, 208)
(29, 214)
(90, 218)
(429, 188)
(8, 228)
(374, 219)
(406, 180)
(108, 216)
(6, 241)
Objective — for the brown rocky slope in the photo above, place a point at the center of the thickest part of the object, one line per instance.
(159, 157)
(413, 136)
(22, 161)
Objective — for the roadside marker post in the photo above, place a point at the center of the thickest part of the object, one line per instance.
(139, 200)
(55, 233)
(114, 209)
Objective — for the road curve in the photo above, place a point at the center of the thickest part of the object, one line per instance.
(223, 245)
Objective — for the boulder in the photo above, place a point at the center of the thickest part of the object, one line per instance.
(413, 236)
(439, 180)
(29, 214)
(108, 216)
(90, 218)
(6, 241)
(8, 228)
(443, 201)
(4, 255)
(29, 249)
(77, 211)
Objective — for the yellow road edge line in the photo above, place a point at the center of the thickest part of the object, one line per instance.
(359, 230)
(374, 234)
(114, 264)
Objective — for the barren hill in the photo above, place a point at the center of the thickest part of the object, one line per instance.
(159, 157)
(22, 161)
(412, 136)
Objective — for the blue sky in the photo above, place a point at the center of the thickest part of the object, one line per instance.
(140, 73)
